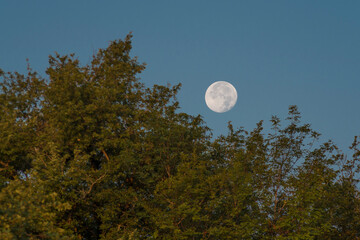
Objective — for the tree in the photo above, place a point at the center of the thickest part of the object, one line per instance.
(252, 186)
(112, 139)
(19, 109)
(90, 153)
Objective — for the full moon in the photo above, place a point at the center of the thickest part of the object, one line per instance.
(221, 96)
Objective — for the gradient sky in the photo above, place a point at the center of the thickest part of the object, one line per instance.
(275, 53)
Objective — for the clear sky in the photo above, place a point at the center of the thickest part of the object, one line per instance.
(275, 53)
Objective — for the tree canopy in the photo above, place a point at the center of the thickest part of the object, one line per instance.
(89, 152)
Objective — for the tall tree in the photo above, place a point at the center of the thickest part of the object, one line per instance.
(90, 153)
(19, 110)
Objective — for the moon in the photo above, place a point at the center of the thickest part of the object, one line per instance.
(221, 96)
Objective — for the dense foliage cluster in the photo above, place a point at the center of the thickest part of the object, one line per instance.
(91, 153)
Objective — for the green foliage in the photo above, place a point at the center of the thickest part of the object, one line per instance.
(19, 109)
(91, 153)
(29, 212)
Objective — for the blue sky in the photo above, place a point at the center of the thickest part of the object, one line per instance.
(275, 53)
